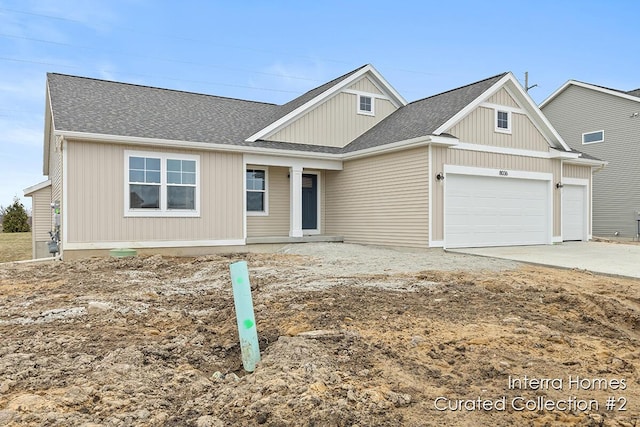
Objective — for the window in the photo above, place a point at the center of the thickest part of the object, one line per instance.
(592, 137)
(257, 191)
(365, 104)
(503, 121)
(161, 184)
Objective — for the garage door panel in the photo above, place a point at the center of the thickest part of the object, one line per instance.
(492, 211)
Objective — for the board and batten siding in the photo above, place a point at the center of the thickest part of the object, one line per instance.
(333, 123)
(365, 85)
(277, 222)
(616, 198)
(502, 97)
(450, 156)
(380, 200)
(479, 128)
(96, 189)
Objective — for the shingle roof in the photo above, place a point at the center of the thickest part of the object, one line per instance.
(422, 117)
(89, 105)
(83, 104)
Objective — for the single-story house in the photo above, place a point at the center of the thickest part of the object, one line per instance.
(604, 123)
(184, 173)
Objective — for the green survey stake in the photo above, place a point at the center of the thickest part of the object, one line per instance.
(244, 315)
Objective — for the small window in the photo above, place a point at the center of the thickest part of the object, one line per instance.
(257, 191)
(365, 104)
(593, 137)
(503, 121)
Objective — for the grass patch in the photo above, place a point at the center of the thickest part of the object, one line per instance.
(15, 246)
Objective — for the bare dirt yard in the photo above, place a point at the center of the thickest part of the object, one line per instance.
(350, 336)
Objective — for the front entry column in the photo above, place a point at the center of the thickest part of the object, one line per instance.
(295, 201)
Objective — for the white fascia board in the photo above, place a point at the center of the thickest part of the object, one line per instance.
(309, 105)
(270, 160)
(586, 162)
(556, 154)
(552, 154)
(48, 124)
(401, 145)
(205, 146)
(29, 190)
(591, 87)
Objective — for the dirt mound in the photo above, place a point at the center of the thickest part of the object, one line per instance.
(153, 341)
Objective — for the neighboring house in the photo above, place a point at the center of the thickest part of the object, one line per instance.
(183, 173)
(604, 123)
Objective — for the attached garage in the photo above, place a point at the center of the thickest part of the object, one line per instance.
(574, 212)
(487, 207)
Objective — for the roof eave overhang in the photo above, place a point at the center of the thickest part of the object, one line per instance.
(406, 144)
(587, 86)
(586, 162)
(30, 190)
(439, 140)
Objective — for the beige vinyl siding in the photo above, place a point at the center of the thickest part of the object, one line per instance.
(502, 97)
(277, 222)
(42, 214)
(575, 171)
(42, 221)
(479, 128)
(97, 189)
(381, 200)
(334, 123)
(365, 85)
(578, 110)
(450, 156)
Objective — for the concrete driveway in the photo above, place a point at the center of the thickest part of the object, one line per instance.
(608, 258)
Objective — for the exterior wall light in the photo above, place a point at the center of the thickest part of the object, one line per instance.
(440, 176)
(559, 185)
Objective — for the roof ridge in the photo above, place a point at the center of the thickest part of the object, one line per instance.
(159, 88)
(461, 87)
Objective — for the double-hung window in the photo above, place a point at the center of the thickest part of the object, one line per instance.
(257, 192)
(161, 184)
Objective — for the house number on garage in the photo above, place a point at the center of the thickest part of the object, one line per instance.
(504, 173)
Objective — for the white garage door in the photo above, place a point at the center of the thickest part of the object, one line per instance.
(496, 211)
(573, 212)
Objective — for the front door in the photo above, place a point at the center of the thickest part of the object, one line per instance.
(309, 202)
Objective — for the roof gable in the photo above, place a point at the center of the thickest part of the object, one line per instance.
(632, 95)
(436, 114)
(312, 99)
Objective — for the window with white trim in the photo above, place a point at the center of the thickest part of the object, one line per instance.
(593, 137)
(159, 184)
(256, 182)
(503, 121)
(365, 104)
